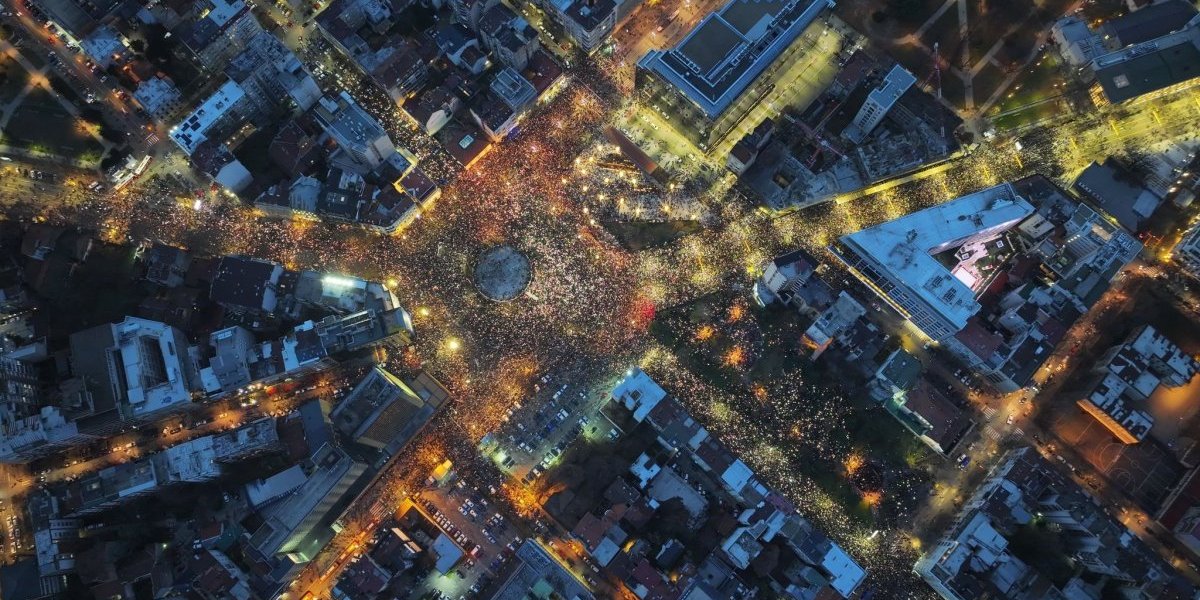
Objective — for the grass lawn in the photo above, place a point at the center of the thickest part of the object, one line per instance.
(987, 81)
(38, 60)
(1041, 81)
(944, 32)
(41, 122)
(13, 78)
(992, 20)
(1027, 116)
(900, 16)
(953, 90)
(637, 236)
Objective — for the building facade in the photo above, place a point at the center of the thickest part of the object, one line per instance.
(711, 80)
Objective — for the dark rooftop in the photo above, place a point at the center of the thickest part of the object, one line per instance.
(1148, 23)
(242, 282)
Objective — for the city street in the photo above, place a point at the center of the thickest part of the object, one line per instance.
(586, 314)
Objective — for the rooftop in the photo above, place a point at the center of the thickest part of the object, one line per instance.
(294, 524)
(513, 89)
(1119, 193)
(150, 358)
(534, 568)
(730, 48)
(246, 283)
(1148, 23)
(1150, 66)
(345, 118)
(383, 411)
(905, 247)
(190, 132)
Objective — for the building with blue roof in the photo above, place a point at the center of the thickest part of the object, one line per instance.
(706, 80)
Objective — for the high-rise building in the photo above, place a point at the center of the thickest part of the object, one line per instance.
(140, 367)
(270, 75)
(878, 103)
(220, 31)
(589, 23)
(712, 79)
(356, 132)
(296, 527)
(1187, 251)
(1150, 68)
(226, 106)
(897, 259)
(384, 412)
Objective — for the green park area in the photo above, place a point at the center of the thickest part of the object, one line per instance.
(13, 78)
(1038, 94)
(753, 367)
(41, 124)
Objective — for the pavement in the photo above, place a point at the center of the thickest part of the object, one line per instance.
(166, 431)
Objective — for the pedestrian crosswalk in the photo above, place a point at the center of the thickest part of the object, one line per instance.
(989, 412)
(993, 434)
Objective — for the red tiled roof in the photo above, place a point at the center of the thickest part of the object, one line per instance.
(978, 339)
(590, 530)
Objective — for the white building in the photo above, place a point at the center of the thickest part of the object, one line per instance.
(1187, 251)
(262, 491)
(1077, 43)
(341, 293)
(589, 22)
(149, 368)
(105, 46)
(192, 461)
(500, 111)
(25, 439)
(878, 103)
(896, 258)
(158, 96)
(1111, 402)
(356, 132)
(226, 103)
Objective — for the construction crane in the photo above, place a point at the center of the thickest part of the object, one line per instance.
(936, 77)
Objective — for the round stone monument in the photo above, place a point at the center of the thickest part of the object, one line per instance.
(502, 273)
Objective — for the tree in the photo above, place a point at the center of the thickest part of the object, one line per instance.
(766, 561)
(672, 520)
(92, 115)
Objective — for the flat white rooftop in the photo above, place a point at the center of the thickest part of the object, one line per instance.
(151, 358)
(904, 249)
(639, 393)
(191, 131)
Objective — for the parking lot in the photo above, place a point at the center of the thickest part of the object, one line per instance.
(537, 431)
(479, 527)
